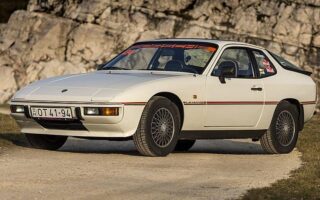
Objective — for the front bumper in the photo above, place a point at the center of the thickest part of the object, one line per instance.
(123, 125)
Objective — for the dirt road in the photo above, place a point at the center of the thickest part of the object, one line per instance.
(83, 169)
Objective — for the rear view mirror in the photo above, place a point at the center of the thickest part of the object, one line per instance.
(228, 69)
(187, 59)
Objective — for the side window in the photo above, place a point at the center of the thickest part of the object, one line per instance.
(266, 68)
(241, 59)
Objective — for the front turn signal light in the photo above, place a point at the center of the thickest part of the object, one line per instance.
(110, 111)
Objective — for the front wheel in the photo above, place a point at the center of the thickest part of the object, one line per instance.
(48, 142)
(159, 126)
(282, 135)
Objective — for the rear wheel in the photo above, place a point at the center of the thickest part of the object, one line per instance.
(49, 142)
(282, 135)
(158, 128)
(184, 145)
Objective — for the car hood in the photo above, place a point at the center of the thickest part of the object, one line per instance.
(88, 87)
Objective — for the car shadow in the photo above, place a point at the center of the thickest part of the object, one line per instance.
(227, 146)
(234, 147)
(17, 139)
(77, 145)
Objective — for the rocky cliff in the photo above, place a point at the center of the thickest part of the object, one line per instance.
(54, 37)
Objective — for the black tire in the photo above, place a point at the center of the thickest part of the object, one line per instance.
(48, 142)
(150, 138)
(184, 145)
(282, 135)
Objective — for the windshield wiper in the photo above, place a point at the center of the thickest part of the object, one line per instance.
(115, 68)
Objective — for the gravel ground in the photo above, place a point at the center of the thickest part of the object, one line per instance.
(82, 169)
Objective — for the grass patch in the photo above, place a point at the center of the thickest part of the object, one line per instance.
(4, 106)
(304, 183)
(8, 125)
(9, 131)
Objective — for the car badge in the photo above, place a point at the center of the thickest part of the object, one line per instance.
(64, 90)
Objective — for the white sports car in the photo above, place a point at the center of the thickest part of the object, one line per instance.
(164, 94)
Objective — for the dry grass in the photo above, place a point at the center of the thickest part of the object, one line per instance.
(304, 182)
(8, 125)
(9, 131)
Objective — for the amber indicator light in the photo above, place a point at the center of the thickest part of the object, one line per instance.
(110, 111)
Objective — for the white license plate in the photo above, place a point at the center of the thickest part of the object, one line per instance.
(58, 113)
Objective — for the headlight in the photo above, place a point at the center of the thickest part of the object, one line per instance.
(17, 109)
(91, 111)
(104, 111)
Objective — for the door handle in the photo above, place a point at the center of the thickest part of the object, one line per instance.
(256, 88)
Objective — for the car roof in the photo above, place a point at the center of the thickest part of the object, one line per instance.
(220, 43)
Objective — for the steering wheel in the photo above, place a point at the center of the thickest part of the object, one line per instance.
(190, 69)
(174, 65)
(177, 65)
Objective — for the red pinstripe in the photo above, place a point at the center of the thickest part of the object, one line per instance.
(134, 103)
(225, 103)
(232, 103)
(308, 102)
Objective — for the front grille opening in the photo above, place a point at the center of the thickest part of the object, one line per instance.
(62, 124)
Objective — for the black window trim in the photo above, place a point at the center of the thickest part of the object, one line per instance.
(289, 68)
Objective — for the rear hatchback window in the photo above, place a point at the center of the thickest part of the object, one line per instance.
(283, 62)
(288, 65)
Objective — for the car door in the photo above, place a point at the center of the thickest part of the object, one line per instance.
(237, 102)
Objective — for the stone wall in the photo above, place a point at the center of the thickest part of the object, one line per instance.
(56, 37)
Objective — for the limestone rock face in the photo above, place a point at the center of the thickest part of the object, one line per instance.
(55, 37)
(8, 83)
(89, 44)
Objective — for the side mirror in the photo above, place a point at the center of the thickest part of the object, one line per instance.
(228, 69)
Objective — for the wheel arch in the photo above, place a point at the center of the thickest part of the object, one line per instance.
(299, 106)
(176, 100)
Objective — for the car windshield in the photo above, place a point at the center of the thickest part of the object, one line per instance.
(180, 57)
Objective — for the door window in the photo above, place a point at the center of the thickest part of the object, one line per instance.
(241, 58)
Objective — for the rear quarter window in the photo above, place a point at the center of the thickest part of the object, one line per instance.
(265, 66)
